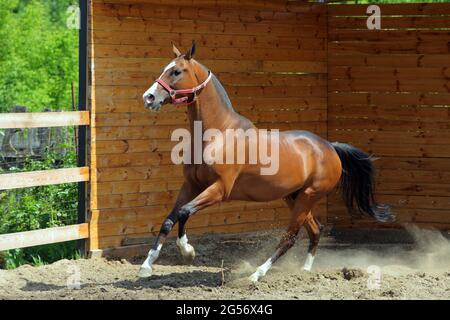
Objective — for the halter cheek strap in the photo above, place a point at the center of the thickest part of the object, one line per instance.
(183, 92)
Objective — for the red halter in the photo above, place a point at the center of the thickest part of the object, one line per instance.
(173, 93)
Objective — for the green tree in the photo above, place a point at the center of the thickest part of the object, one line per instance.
(38, 55)
(38, 62)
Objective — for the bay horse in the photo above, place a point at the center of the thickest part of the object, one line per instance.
(309, 166)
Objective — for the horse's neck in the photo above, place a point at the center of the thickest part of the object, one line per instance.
(213, 107)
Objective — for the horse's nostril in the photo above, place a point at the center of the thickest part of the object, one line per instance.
(150, 98)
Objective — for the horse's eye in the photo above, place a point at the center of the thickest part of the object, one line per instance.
(176, 73)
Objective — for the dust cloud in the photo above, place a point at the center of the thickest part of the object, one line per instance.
(429, 253)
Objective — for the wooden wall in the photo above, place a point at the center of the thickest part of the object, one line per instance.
(271, 57)
(282, 63)
(389, 93)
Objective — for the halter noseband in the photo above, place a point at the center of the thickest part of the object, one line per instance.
(185, 99)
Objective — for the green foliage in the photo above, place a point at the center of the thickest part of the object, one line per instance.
(38, 54)
(40, 255)
(39, 208)
(38, 62)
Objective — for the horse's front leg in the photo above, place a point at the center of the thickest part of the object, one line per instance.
(213, 194)
(186, 194)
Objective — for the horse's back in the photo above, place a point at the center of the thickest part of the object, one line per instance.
(304, 160)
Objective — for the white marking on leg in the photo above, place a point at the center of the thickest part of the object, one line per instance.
(186, 249)
(309, 262)
(146, 268)
(261, 271)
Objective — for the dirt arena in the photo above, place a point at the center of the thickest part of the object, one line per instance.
(419, 270)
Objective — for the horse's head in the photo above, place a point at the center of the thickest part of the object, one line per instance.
(177, 83)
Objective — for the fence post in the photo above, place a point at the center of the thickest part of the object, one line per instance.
(82, 106)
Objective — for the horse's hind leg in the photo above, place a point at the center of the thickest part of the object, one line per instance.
(313, 229)
(300, 209)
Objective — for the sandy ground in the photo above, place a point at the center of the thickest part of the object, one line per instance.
(419, 271)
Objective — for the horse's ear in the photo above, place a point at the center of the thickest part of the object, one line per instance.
(191, 51)
(175, 50)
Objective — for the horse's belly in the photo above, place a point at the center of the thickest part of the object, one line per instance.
(262, 188)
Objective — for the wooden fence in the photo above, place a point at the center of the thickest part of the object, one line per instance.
(286, 65)
(19, 144)
(272, 63)
(389, 94)
(43, 178)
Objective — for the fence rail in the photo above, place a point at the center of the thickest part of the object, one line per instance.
(25, 120)
(44, 236)
(44, 119)
(43, 178)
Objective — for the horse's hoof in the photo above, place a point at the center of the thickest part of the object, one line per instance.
(145, 272)
(254, 277)
(189, 255)
(307, 268)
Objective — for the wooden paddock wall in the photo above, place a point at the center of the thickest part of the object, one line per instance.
(282, 63)
(389, 94)
(271, 57)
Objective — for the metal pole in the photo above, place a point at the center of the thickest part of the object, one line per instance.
(82, 105)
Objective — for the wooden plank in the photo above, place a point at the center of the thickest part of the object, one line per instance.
(382, 137)
(132, 200)
(279, 5)
(387, 35)
(153, 223)
(389, 60)
(43, 178)
(399, 162)
(405, 85)
(151, 25)
(416, 202)
(136, 173)
(423, 22)
(142, 119)
(208, 41)
(380, 124)
(404, 113)
(106, 105)
(44, 236)
(387, 73)
(134, 159)
(137, 132)
(390, 9)
(408, 113)
(44, 119)
(393, 99)
(130, 92)
(311, 13)
(310, 50)
(236, 79)
(219, 65)
(390, 47)
(116, 241)
(414, 176)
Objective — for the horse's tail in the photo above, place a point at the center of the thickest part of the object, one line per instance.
(357, 183)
